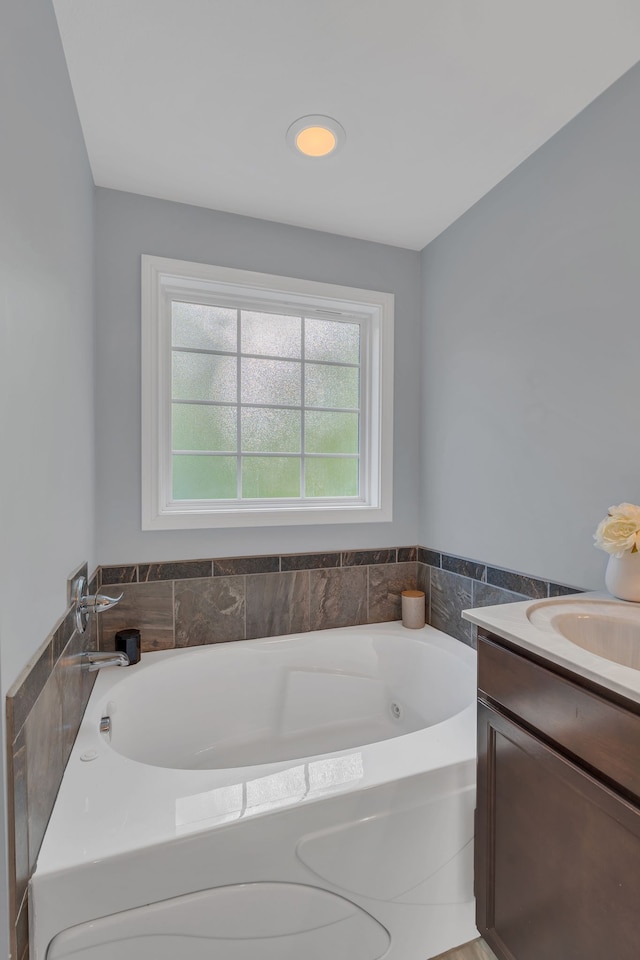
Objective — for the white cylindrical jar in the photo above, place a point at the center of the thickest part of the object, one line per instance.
(413, 609)
(622, 576)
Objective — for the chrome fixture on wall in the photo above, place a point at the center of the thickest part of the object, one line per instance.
(87, 604)
(92, 661)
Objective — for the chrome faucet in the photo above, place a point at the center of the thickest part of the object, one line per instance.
(92, 661)
(87, 604)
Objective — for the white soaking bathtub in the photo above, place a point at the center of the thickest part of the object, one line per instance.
(308, 796)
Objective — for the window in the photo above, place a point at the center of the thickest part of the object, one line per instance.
(265, 400)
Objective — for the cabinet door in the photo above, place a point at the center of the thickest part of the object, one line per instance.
(557, 853)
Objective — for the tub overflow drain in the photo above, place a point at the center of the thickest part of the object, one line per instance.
(396, 711)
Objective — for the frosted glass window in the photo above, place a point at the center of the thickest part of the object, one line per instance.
(331, 432)
(204, 478)
(261, 395)
(332, 340)
(203, 376)
(270, 477)
(331, 477)
(199, 427)
(270, 334)
(203, 327)
(327, 386)
(270, 381)
(271, 431)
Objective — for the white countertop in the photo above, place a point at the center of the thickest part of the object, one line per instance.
(512, 622)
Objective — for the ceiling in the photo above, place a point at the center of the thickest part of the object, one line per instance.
(190, 100)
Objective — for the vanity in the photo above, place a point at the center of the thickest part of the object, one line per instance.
(557, 859)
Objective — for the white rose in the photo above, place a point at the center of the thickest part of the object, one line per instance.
(617, 535)
(628, 511)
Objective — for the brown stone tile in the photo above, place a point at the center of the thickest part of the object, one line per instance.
(423, 582)
(357, 558)
(465, 568)
(450, 595)
(309, 561)
(145, 606)
(210, 610)
(517, 583)
(277, 604)
(181, 570)
(386, 583)
(562, 590)
(18, 820)
(407, 554)
(22, 932)
(484, 595)
(91, 634)
(43, 739)
(94, 582)
(337, 598)
(75, 686)
(236, 566)
(28, 687)
(64, 633)
(121, 574)
(430, 557)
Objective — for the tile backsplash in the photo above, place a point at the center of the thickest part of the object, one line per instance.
(44, 709)
(241, 598)
(453, 584)
(193, 602)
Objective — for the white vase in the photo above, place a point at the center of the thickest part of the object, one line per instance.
(622, 576)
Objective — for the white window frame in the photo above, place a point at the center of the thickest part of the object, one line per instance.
(164, 278)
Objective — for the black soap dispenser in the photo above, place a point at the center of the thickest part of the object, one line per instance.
(128, 641)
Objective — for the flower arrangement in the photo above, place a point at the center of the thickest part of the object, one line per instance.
(619, 532)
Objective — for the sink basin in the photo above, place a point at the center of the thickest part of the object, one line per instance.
(605, 628)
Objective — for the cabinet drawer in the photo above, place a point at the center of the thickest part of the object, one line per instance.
(602, 734)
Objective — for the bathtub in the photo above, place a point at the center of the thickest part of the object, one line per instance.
(305, 796)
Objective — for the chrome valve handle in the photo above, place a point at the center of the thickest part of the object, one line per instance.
(86, 603)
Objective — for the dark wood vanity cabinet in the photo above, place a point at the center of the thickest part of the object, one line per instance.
(557, 870)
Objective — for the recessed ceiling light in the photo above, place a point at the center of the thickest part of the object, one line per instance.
(315, 136)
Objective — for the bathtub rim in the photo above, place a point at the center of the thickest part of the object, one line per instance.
(123, 822)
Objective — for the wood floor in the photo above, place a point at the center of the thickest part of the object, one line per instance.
(476, 950)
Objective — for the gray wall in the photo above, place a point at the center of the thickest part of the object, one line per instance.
(46, 341)
(531, 346)
(128, 226)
